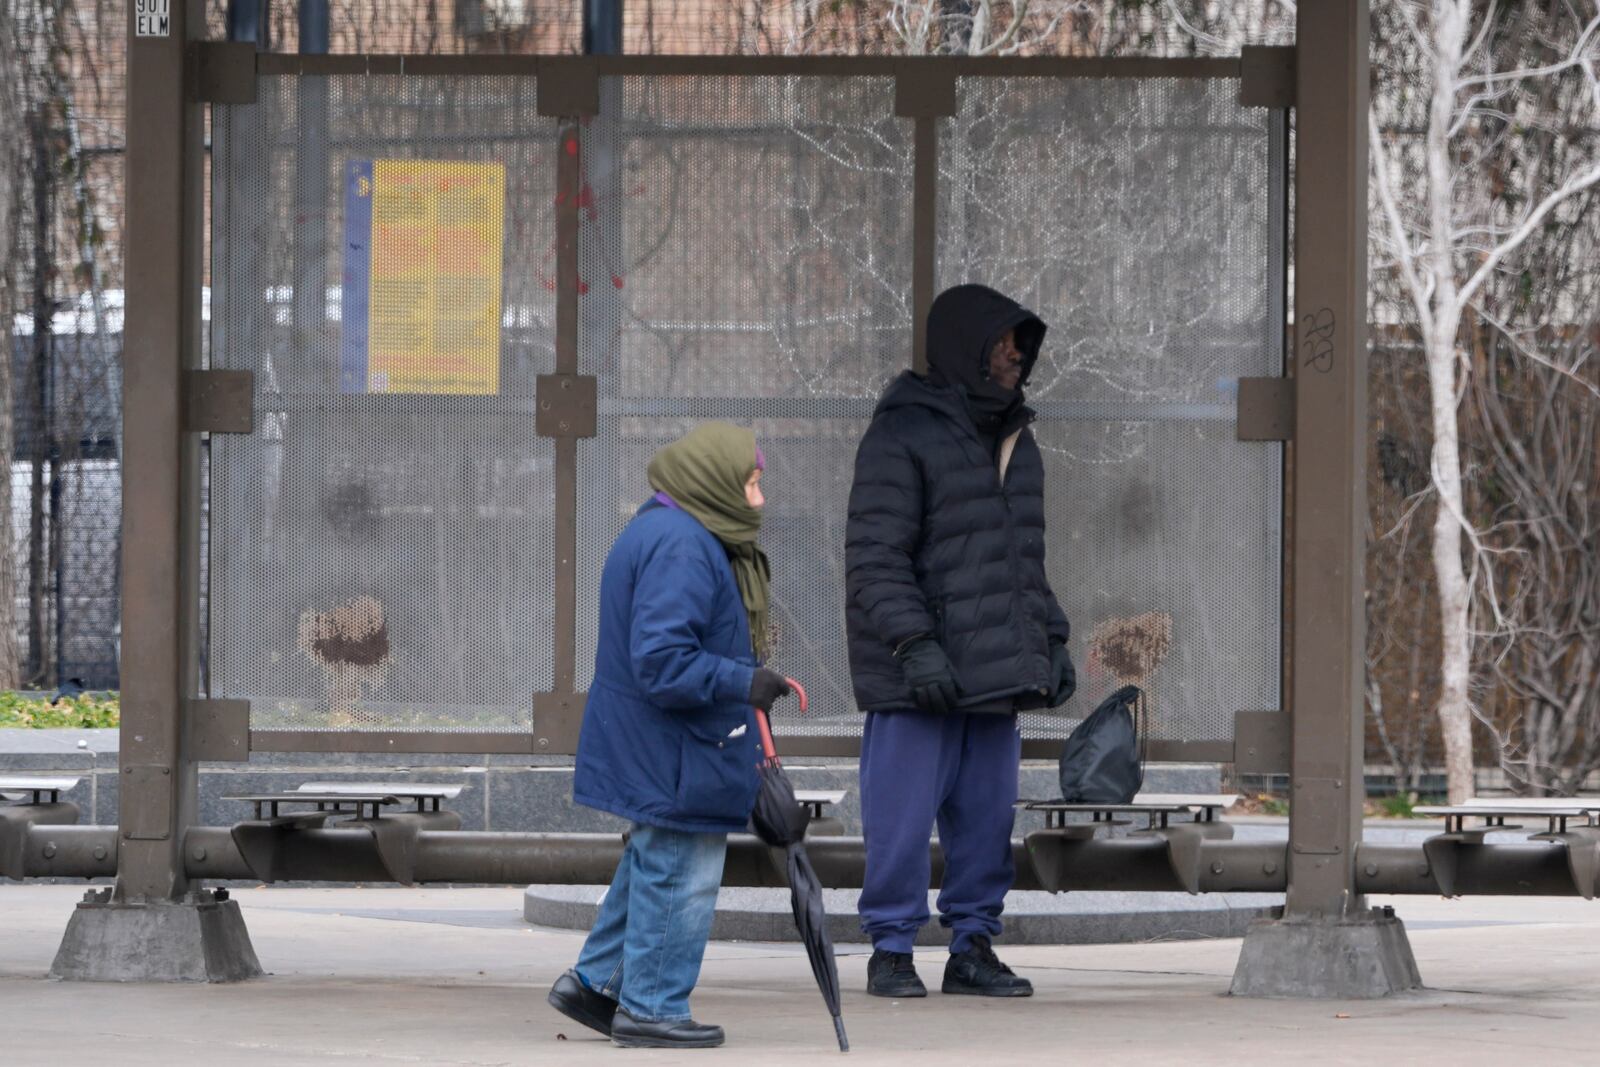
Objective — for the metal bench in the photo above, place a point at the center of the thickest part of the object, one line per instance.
(1494, 813)
(261, 840)
(1444, 851)
(327, 805)
(1051, 848)
(1158, 807)
(816, 801)
(425, 797)
(14, 787)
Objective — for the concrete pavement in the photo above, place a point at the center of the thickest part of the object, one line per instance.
(454, 976)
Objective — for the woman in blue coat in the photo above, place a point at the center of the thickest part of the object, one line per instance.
(669, 740)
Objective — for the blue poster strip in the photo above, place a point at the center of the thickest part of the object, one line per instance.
(357, 293)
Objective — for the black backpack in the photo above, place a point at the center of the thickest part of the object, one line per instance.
(1102, 761)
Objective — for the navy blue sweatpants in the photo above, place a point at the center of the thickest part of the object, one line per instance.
(957, 770)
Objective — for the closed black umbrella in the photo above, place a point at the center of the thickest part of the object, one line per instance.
(781, 821)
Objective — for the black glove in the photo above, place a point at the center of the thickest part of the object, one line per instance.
(928, 673)
(767, 686)
(1064, 678)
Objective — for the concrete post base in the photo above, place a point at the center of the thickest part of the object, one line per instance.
(1364, 956)
(201, 939)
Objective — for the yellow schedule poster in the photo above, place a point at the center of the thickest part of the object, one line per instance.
(424, 247)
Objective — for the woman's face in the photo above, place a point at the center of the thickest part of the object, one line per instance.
(752, 489)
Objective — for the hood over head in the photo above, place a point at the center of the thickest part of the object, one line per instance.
(963, 325)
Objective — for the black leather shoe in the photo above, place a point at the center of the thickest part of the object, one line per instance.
(978, 972)
(891, 974)
(581, 1004)
(628, 1032)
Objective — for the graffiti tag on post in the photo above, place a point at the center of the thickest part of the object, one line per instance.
(1316, 342)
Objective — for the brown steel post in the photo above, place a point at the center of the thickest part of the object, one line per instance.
(924, 234)
(152, 926)
(558, 714)
(1327, 943)
(1330, 378)
(569, 178)
(161, 336)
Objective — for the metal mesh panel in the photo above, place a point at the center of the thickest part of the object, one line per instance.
(1133, 216)
(746, 257)
(380, 560)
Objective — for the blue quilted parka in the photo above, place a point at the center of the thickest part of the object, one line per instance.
(668, 735)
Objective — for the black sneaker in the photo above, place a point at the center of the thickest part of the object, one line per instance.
(978, 972)
(891, 974)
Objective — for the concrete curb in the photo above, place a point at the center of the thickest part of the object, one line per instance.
(1031, 918)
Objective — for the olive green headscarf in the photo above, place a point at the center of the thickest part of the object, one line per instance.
(704, 473)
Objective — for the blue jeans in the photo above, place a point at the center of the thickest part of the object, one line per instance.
(959, 771)
(645, 947)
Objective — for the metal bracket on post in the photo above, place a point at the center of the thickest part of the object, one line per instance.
(1266, 76)
(1582, 845)
(567, 405)
(569, 87)
(1260, 742)
(1266, 410)
(924, 89)
(219, 730)
(146, 802)
(1186, 847)
(224, 72)
(219, 401)
(556, 718)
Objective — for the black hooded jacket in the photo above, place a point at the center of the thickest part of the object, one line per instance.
(937, 543)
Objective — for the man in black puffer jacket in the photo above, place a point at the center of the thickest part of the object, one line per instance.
(953, 630)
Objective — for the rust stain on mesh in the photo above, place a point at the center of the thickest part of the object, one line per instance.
(351, 644)
(1132, 648)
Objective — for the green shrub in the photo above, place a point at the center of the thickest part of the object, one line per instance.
(1399, 806)
(87, 711)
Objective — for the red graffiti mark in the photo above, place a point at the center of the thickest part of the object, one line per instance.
(548, 282)
(616, 280)
(561, 198)
(587, 201)
(583, 287)
(572, 146)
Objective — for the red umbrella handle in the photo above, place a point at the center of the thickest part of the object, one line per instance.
(764, 724)
(767, 749)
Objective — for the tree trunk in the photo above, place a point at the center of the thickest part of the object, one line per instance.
(1455, 594)
(38, 386)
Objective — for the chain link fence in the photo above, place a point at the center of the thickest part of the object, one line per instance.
(61, 103)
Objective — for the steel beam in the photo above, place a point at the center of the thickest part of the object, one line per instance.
(161, 337)
(1059, 863)
(278, 63)
(1327, 943)
(1330, 376)
(151, 926)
